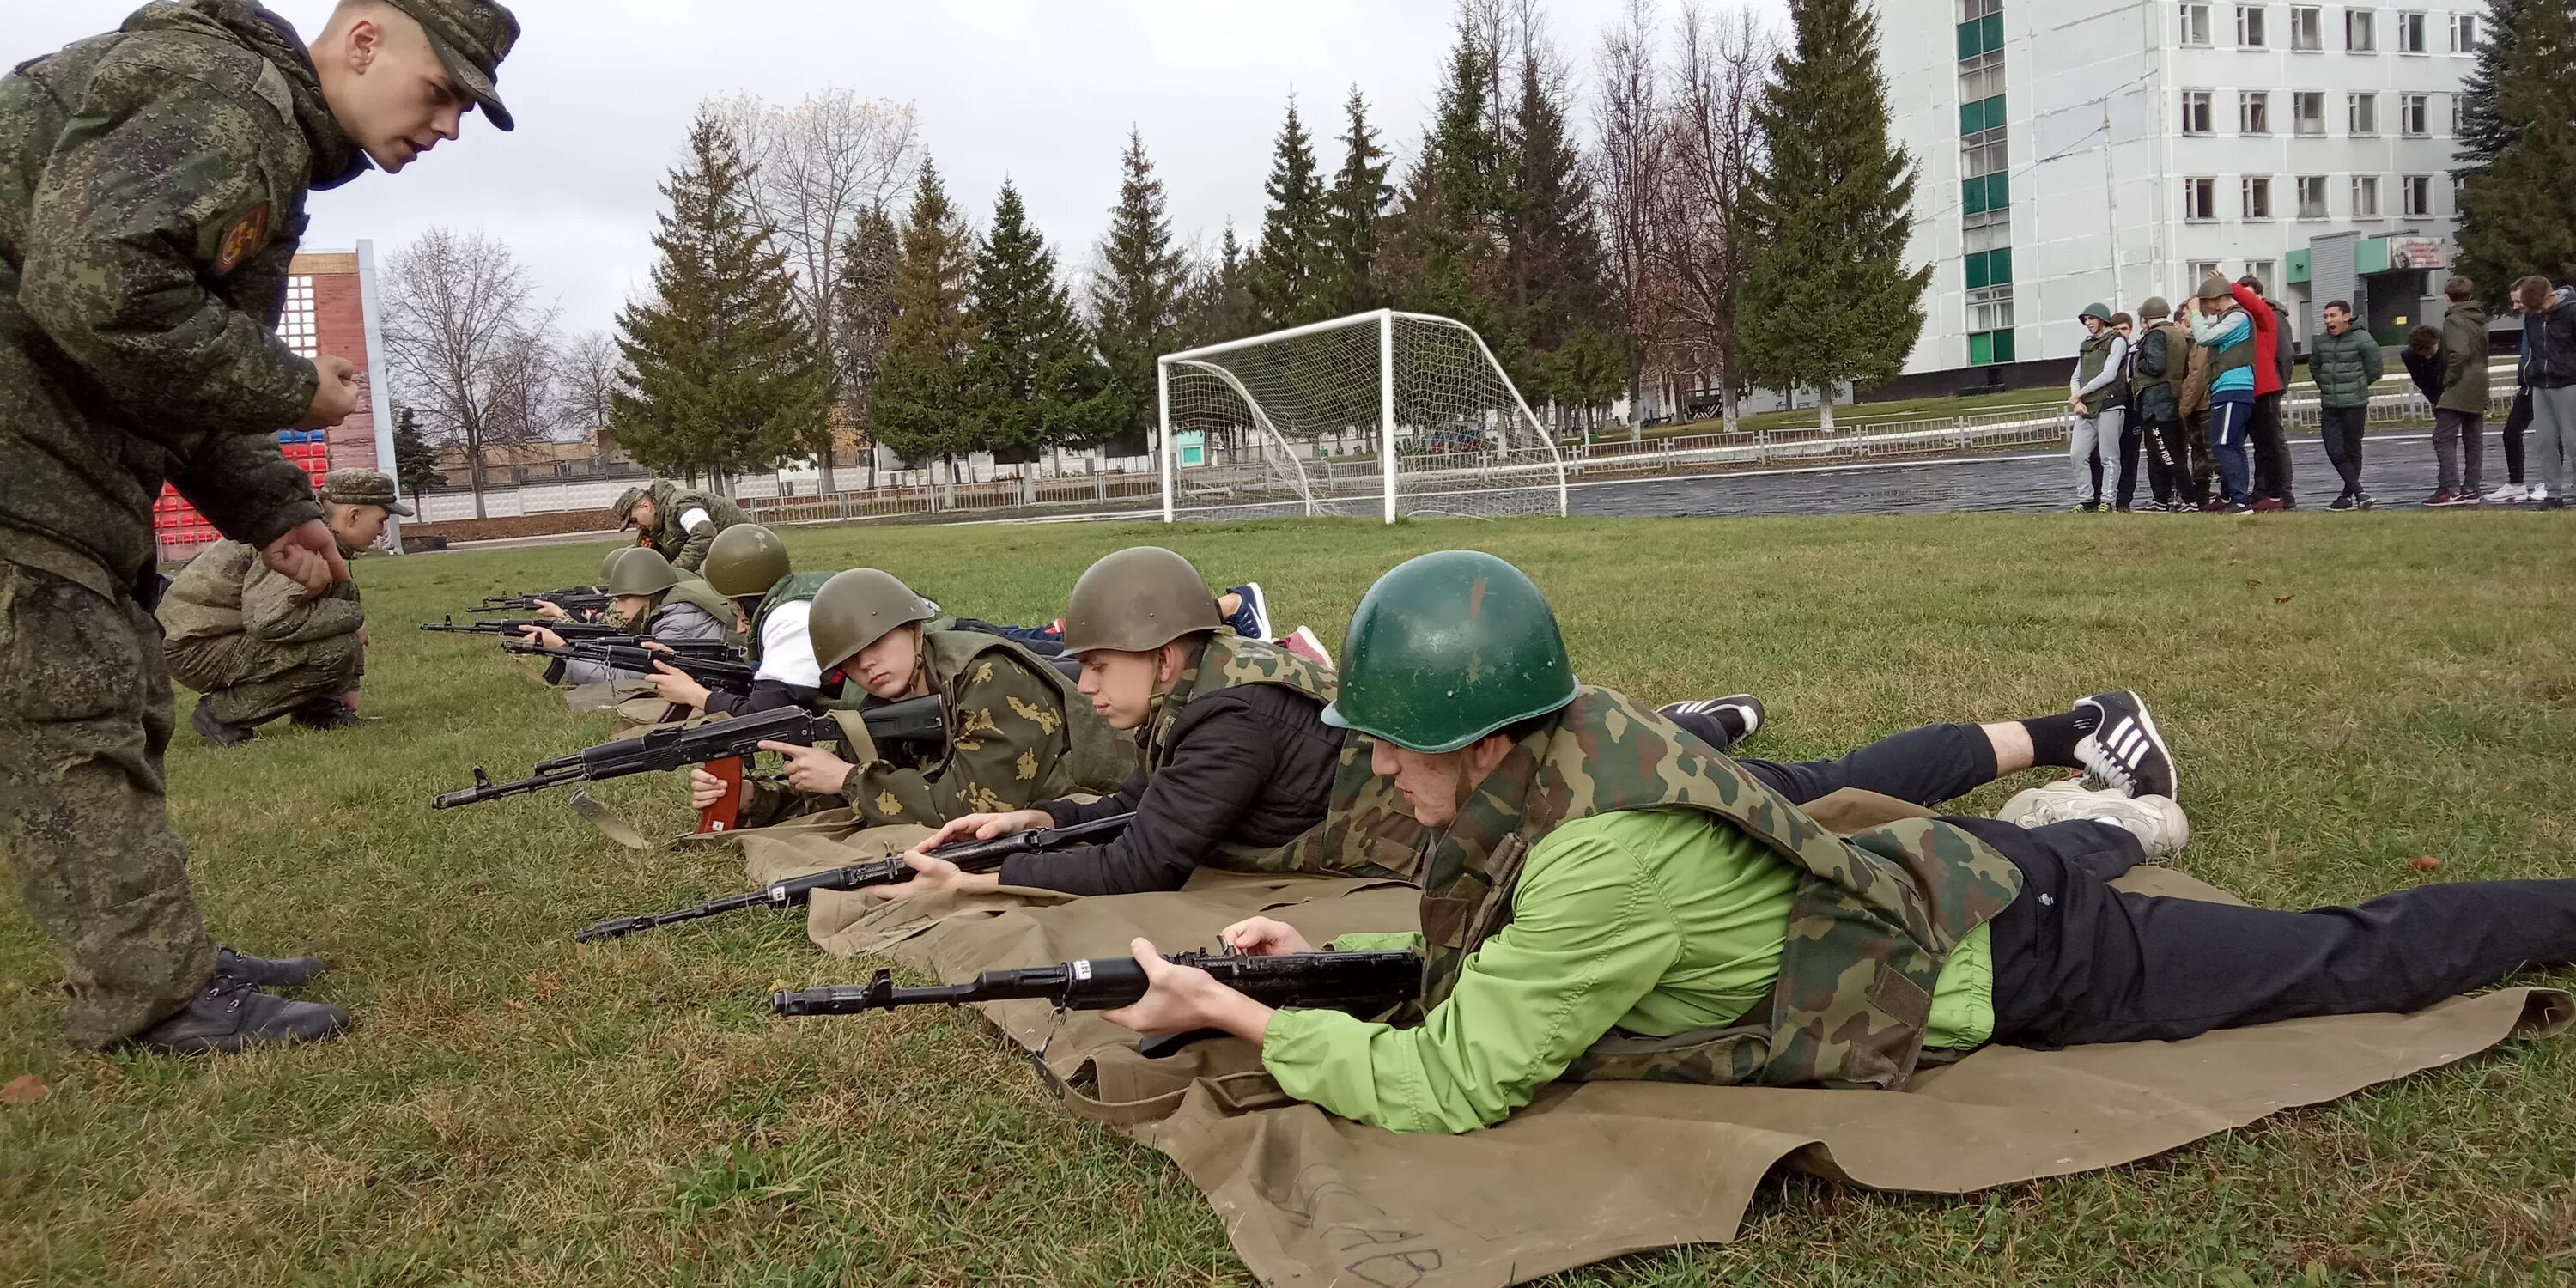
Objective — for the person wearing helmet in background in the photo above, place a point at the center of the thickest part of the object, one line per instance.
(649, 598)
(748, 565)
(1235, 760)
(2097, 400)
(1017, 730)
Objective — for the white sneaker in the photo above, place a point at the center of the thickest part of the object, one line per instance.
(2156, 821)
(2509, 494)
(2538, 493)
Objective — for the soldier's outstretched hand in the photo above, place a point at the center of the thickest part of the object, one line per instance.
(335, 397)
(308, 555)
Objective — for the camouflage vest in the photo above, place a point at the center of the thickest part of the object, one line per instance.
(669, 503)
(2238, 356)
(794, 588)
(1874, 918)
(703, 597)
(1367, 830)
(1229, 661)
(1096, 759)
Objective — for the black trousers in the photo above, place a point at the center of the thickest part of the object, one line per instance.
(2271, 450)
(2341, 429)
(2078, 962)
(2516, 421)
(1924, 766)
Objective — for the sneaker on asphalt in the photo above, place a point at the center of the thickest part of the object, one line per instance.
(2551, 503)
(324, 716)
(1303, 643)
(231, 1015)
(267, 972)
(2363, 502)
(2235, 507)
(2085, 507)
(2509, 494)
(1251, 618)
(2268, 505)
(216, 731)
(2124, 750)
(1719, 722)
(2343, 502)
(2156, 821)
(2538, 493)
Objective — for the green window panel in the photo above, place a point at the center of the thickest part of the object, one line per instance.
(1981, 349)
(1972, 196)
(1998, 190)
(1972, 117)
(1999, 266)
(1972, 38)
(2003, 346)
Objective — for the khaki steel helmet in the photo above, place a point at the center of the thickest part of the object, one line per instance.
(642, 572)
(745, 560)
(856, 608)
(608, 562)
(1137, 600)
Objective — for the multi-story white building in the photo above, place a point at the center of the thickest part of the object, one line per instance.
(2075, 151)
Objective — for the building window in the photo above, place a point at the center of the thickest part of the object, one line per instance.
(2307, 28)
(2198, 270)
(2312, 196)
(2254, 113)
(2365, 196)
(2455, 116)
(1971, 10)
(2360, 35)
(2410, 33)
(1984, 193)
(1982, 78)
(1990, 309)
(2195, 24)
(1990, 348)
(2415, 114)
(1989, 268)
(2464, 33)
(2261, 271)
(2256, 191)
(1983, 154)
(2200, 199)
(2249, 26)
(296, 325)
(2195, 111)
(1981, 35)
(2309, 106)
(2361, 113)
(2419, 195)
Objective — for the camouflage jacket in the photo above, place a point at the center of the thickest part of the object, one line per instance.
(226, 590)
(1875, 916)
(152, 186)
(1017, 732)
(1367, 830)
(686, 549)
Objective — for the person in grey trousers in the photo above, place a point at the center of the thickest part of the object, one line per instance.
(2549, 343)
(2097, 397)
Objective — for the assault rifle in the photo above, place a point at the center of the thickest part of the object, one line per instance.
(720, 674)
(797, 891)
(575, 599)
(586, 633)
(1363, 984)
(720, 745)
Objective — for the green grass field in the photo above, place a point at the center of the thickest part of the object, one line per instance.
(2345, 693)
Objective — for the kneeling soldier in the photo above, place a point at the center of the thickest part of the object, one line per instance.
(257, 644)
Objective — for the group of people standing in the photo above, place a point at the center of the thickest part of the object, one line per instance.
(2199, 390)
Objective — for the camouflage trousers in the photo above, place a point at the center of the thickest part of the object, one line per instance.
(249, 681)
(84, 720)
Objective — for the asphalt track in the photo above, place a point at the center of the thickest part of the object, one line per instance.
(2397, 469)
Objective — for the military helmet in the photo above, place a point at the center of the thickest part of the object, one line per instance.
(1449, 647)
(856, 608)
(1137, 600)
(624, 509)
(745, 560)
(642, 572)
(2102, 311)
(608, 562)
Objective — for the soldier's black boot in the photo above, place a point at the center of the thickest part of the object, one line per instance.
(218, 732)
(267, 972)
(229, 1014)
(324, 716)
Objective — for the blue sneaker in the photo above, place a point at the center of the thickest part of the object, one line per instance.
(1251, 620)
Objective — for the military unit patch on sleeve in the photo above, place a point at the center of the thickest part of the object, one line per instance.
(244, 234)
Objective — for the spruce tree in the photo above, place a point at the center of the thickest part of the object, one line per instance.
(1829, 298)
(1137, 298)
(2483, 133)
(2518, 215)
(1353, 210)
(1555, 266)
(415, 461)
(864, 301)
(1032, 381)
(920, 409)
(727, 377)
(1442, 247)
(1287, 278)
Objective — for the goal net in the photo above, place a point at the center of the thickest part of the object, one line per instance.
(1379, 414)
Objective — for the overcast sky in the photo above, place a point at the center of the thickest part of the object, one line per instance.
(1041, 93)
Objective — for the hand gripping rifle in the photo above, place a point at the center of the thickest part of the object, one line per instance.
(718, 674)
(586, 633)
(797, 891)
(1363, 984)
(720, 745)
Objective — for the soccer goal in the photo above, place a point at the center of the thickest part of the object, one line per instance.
(1385, 413)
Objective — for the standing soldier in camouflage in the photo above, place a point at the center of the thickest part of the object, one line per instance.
(1017, 730)
(257, 644)
(1608, 900)
(682, 525)
(152, 186)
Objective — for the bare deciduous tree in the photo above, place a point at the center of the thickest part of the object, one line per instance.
(1706, 164)
(471, 349)
(591, 369)
(1628, 115)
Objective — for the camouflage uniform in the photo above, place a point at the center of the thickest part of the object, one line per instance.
(684, 548)
(255, 642)
(152, 186)
(1018, 732)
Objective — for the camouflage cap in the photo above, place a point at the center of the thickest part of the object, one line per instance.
(624, 508)
(363, 487)
(471, 37)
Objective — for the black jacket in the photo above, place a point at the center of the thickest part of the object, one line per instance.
(2426, 369)
(2549, 341)
(1251, 765)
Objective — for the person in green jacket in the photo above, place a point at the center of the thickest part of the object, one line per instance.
(682, 524)
(2345, 363)
(1605, 900)
(2460, 414)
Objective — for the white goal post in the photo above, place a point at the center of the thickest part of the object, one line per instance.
(1385, 413)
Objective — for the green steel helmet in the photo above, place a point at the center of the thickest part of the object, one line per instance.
(608, 562)
(642, 572)
(2102, 311)
(1137, 600)
(1448, 647)
(624, 509)
(856, 608)
(2155, 310)
(745, 560)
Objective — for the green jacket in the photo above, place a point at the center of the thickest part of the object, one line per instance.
(2464, 359)
(686, 548)
(152, 186)
(2344, 366)
(227, 590)
(2158, 363)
